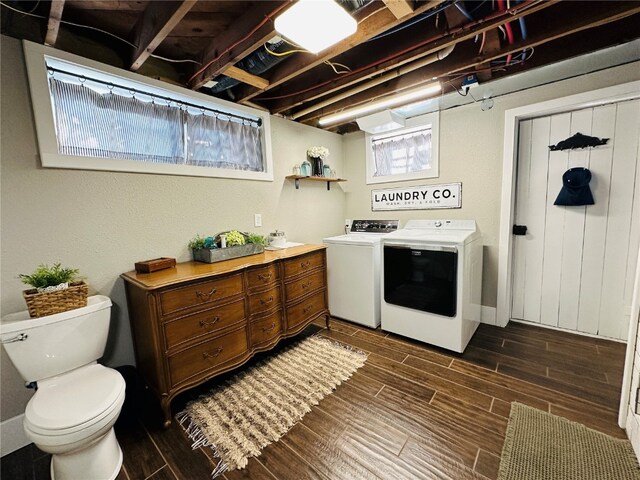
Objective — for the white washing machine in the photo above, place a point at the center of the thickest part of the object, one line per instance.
(353, 271)
(432, 282)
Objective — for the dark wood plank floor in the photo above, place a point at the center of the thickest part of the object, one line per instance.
(412, 412)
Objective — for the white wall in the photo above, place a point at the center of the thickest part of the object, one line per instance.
(471, 153)
(632, 423)
(103, 222)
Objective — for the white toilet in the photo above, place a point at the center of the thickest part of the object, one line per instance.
(77, 401)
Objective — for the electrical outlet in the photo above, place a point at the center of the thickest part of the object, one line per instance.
(347, 223)
(257, 220)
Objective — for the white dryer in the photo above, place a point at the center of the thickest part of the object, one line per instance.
(432, 282)
(353, 271)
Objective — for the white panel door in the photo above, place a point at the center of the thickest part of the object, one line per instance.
(572, 268)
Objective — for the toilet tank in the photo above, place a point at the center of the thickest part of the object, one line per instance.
(57, 343)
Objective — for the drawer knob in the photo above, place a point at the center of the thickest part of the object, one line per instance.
(265, 276)
(210, 323)
(205, 296)
(269, 328)
(307, 308)
(213, 354)
(266, 301)
(305, 264)
(306, 285)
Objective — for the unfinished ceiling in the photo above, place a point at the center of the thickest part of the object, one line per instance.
(229, 49)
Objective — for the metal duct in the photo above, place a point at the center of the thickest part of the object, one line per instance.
(260, 60)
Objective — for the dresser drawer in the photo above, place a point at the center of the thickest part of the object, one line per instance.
(305, 310)
(304, 285)
(258, 277)
(303, 263)
(200, 293)
(261, 302)
(203, 323)
(207, 356)
(266, 328)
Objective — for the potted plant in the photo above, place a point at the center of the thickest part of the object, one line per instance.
(55, 289)
(226, 245)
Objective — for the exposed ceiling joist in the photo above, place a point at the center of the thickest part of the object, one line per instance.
(617, 11)
(424, 47)
(246, 77)
(153, 26)
(389, 52)
(370, 26)
(234, 44)
(400, 8)
(53, 25)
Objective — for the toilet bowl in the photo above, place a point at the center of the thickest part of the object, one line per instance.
(77, 400)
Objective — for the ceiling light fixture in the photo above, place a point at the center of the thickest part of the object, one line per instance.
(315, 24)
(382, 104)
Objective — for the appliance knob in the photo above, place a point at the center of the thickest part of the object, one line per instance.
(438, 223)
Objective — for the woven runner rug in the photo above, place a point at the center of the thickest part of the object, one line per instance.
(259, 405)
(542, 446)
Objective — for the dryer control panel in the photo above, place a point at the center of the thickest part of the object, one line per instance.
(374, 226)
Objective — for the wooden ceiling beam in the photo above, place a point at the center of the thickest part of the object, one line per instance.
(246, 77)
(400, 8)
(248, 33)
(616, 11)
(371, 25)
(156, 22)
(397, 59)
(53, 25)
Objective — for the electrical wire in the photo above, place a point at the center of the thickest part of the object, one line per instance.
(238, 42)
(507, 27)
(412, 22)
(397, 54)
(185, 60)
(484, 37)
(70, 23)
(333, 65)
(283, 54)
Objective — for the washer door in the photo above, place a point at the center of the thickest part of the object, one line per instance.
(421, 278)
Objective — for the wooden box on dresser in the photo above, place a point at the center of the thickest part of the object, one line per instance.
(197, 320)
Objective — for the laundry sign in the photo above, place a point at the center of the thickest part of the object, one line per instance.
(422, 197)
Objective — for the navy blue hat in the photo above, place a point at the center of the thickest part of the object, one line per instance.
(575, 188)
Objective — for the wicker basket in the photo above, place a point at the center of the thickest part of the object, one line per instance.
(43, 304)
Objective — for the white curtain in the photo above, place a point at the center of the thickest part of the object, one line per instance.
(109, 125)
(221, 142)
(398, 154)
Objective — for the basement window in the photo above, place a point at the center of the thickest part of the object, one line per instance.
(95, 117)
(410, 153)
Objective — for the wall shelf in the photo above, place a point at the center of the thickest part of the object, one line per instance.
(329, 180)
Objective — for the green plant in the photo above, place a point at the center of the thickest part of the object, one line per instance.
(197, 242)
(46, 276)
(257, 239)
(234, 237)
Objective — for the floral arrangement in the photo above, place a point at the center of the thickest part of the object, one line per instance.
(318, 152)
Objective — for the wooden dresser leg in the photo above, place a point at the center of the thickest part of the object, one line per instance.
(326, 319)
(165, 405)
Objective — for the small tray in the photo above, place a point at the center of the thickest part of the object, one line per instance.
(148, 266)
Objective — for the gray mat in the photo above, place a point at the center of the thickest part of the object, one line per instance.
(542, 446)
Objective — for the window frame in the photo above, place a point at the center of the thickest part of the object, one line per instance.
(411, 124)
(35, 60)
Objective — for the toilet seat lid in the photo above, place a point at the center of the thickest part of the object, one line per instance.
(74, 399)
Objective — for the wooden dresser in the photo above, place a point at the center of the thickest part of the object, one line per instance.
(197, 320)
